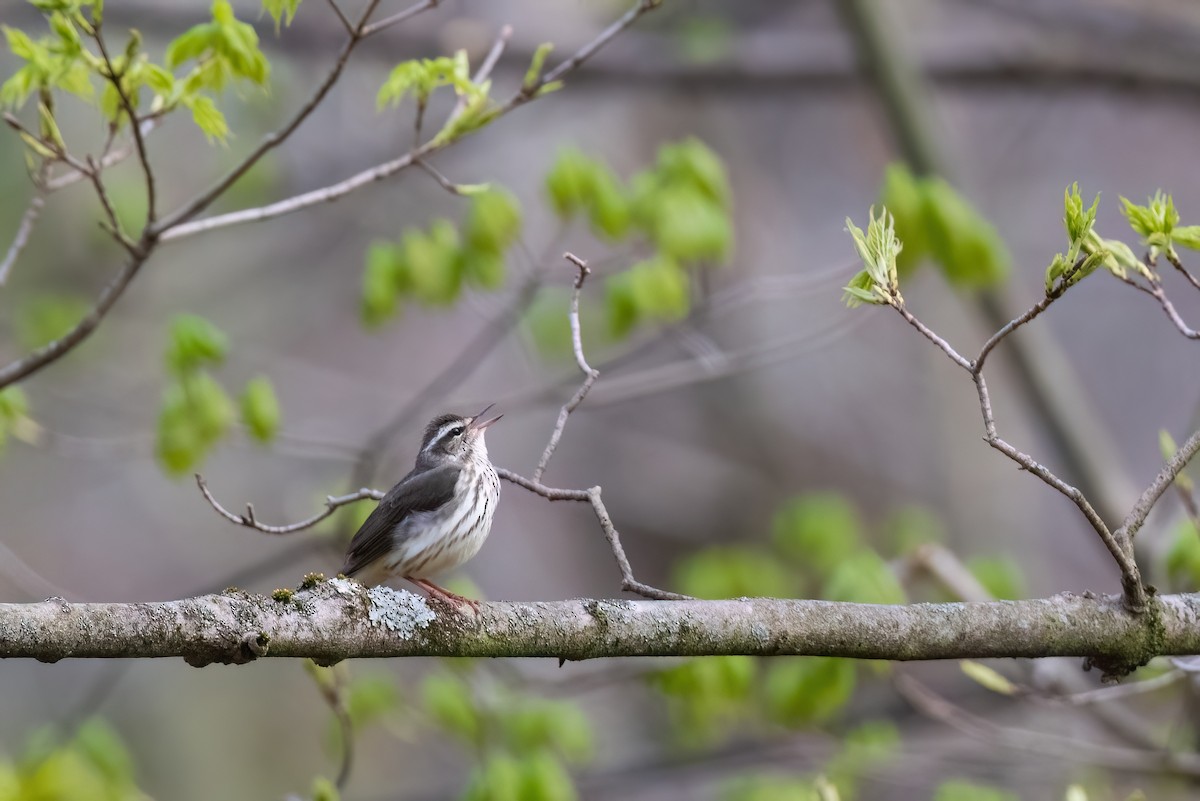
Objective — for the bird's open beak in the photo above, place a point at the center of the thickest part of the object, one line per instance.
(478, 423)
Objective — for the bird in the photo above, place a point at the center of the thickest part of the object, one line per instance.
(438, 516)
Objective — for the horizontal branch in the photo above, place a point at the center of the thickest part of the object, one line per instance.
(340, 619)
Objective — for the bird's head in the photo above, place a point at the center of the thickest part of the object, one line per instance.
(454, 438)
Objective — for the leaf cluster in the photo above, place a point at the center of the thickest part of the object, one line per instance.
(92, 766)
(525, 743)
(196, 411)
(432, 266)
(937, 223)
(679, 208)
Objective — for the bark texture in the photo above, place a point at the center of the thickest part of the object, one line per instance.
(340, 619)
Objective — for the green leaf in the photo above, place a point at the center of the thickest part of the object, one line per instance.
(660, 289)
(534, 73)
(1183, 557)
(194, 342)
(45, 318)
(448, 701)
(987, 677)
(621, 305)
(371, 697)
(260, 409)
(1155, 221)
(911, 526)
(733, 572)
(808, 690)
(967, 247)
(324, 790)
(692, 163)
(484, 269)
(207, 117)
(1000, 575)
(493, 221)
(500, 779)
(225, 45)
(1078, 221)
(211, 409)
(878, 248)
(383, 278)
(432, 263)
(1187, 236)
(14, 405)
(543, 778)
(569, 181)
(962, 790)
(864, 578)
(903, 194)
(281, 10)
(689, 226)
(536, 725)
(817, 530)
(1166, 445)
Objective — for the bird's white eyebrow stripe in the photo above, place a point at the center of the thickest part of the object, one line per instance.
(446, 427)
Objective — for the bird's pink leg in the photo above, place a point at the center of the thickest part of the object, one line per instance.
(442, 594)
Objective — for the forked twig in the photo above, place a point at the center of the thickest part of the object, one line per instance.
(332, 504)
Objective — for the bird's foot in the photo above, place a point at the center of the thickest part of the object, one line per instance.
(457, 602)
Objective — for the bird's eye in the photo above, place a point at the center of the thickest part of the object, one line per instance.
(457, 431)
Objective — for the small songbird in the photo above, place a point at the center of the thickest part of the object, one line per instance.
(439, 514)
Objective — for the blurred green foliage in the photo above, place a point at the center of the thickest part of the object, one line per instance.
(44, 318)
(196, 411)
(935, 222)
(1183, 557)
(431, 266)
(92, 766)
(14, 406)
(523, 743)
(962, 790)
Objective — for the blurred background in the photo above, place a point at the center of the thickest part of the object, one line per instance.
(757, 414)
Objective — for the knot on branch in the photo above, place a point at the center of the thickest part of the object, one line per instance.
(1138, 651)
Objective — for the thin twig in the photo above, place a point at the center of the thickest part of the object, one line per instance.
(341, 16)
(928, 333)
(108, 159)
(272, 140)
(177, 226)
(445, 182)
(135, 126)
(589, 374)
(397, 18)
(24, 229)
(1156, 291)
(1134, 590)
(32, 362)
(1173, 258)
(113, 226)
(587, 51)
(592, 496)
(935, 706)
(485, 69)
(1137, 516)
(332, 504)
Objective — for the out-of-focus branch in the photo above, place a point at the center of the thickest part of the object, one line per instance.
(134, 125)
(935, 706)
(340, 619)
(24, 229)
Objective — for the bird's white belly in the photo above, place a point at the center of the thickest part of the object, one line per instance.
(431, 543)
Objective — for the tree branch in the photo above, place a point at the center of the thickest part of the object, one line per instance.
(1141, 510)
(135, 126)
(24, 229)
(340, 619)
(332, 504)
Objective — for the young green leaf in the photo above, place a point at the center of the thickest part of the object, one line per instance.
(194, 342)
(493, 221)
(260, 409)
(878, 248)
(817, 530)
(987, 677)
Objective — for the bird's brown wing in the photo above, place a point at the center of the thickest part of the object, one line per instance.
(419, 491)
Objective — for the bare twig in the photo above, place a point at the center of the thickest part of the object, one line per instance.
(587, 51)
(589, 374)
(52, 351)
(445, 182)
(113, 225)
(108, 159)
(177, 225)
(1135, 591)
(341, 15)
(1173, 258)
(1156, 291)
(928, 333)
(333, 691)
(136, 128)
(198, 204)
(24, 229)
(935, 706)
(592, 496)
(1137, 516)
(332, 504)
(397, 18)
